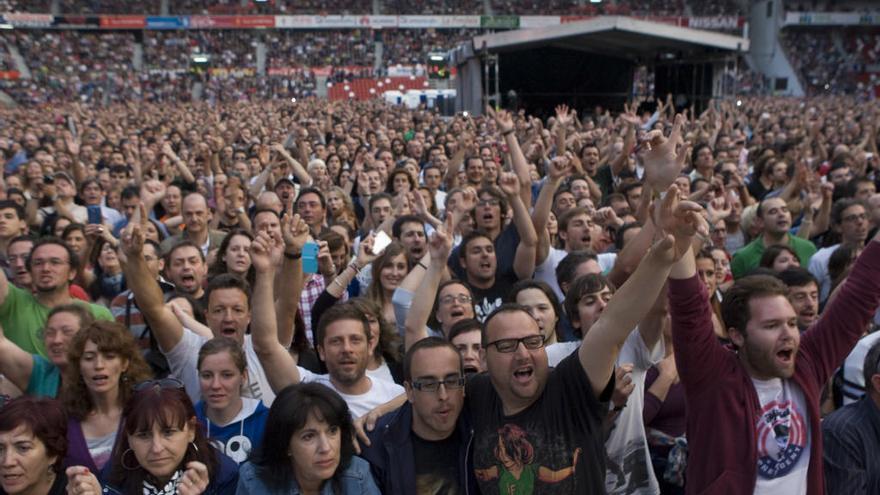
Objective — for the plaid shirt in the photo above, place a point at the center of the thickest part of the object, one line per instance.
(312, 288)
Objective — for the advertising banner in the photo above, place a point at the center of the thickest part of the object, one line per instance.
(539, 21)
(123, 21)
(168, 22)
(29, 20)
(499, 21)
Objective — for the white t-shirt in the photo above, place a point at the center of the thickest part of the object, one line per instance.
(381, 391)
(183, 361)
(628, 468)
(819, 268)
(561, 350)
(853, 367)
(546, 271)
(381, 373)
(782, 432)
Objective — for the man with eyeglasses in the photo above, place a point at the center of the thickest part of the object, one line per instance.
(849, 219)
(52, 266)
(426, 442)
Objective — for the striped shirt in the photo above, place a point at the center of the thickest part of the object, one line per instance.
(852, 449)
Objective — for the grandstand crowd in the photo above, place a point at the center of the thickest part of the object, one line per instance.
(260, 290)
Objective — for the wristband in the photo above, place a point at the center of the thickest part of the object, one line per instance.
(422, 265)
(293, 256)
(507, 133)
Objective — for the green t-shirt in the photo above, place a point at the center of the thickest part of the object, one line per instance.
(22, 317)
(525, 485)
(45, 378)
(749, 257)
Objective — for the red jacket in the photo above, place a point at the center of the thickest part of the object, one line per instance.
(722, 405)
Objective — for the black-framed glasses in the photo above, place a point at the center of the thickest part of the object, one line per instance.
(164, 384)
(449, 383)
(531, 342)
(461, 298)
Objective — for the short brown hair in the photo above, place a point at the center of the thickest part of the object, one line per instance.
(735, 309)
(339, 312)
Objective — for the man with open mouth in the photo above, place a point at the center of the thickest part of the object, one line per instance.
(753, 421)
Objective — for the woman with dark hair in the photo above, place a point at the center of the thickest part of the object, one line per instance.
(400, 181)
(233, 256)
(307, 448)
(542, 304)
(162, 449)
(33, 439)
(108, 280)
(779, 258)
(104, 363)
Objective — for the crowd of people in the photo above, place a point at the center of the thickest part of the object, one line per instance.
(218, 298)
(836, 60)
(387, 7)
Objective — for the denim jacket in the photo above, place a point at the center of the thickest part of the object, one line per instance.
(355, 480)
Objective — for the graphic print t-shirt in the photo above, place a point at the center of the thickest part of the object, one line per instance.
(533, 451)
(437, 465)
(782, 431)
(628, 465)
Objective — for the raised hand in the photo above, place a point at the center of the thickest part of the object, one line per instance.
(295, 232)
(662, 163)
(681, 219)
(563, 115)
(365, 254)
(559, 167)
(440, 245)
(503, 119)
(265, 252)
(509, 183)
(629, 115)
(195, 479)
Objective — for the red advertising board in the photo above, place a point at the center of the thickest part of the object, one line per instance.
(123, 21)
(254, 21)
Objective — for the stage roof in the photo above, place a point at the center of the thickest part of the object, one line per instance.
(614, 36)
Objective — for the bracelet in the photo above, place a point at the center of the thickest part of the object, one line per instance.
(618, 408)
(507, 133)
(293, 256)
(354, 265)
(421, 265)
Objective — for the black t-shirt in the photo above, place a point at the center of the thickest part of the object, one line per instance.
(437, 465)
(533, 451)
(487, 300)
(505, 252)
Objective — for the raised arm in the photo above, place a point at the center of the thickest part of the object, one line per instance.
(298, 170)
(290, 278)
(164, 325)
(520, 165)
(15, 363)
(439, 247)
(631, 303)
(524, 259)
(278, 364)
(558, 168)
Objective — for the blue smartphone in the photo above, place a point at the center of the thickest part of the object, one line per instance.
(310, 257)
(94, 212)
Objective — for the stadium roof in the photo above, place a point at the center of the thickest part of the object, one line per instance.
(617, 36)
